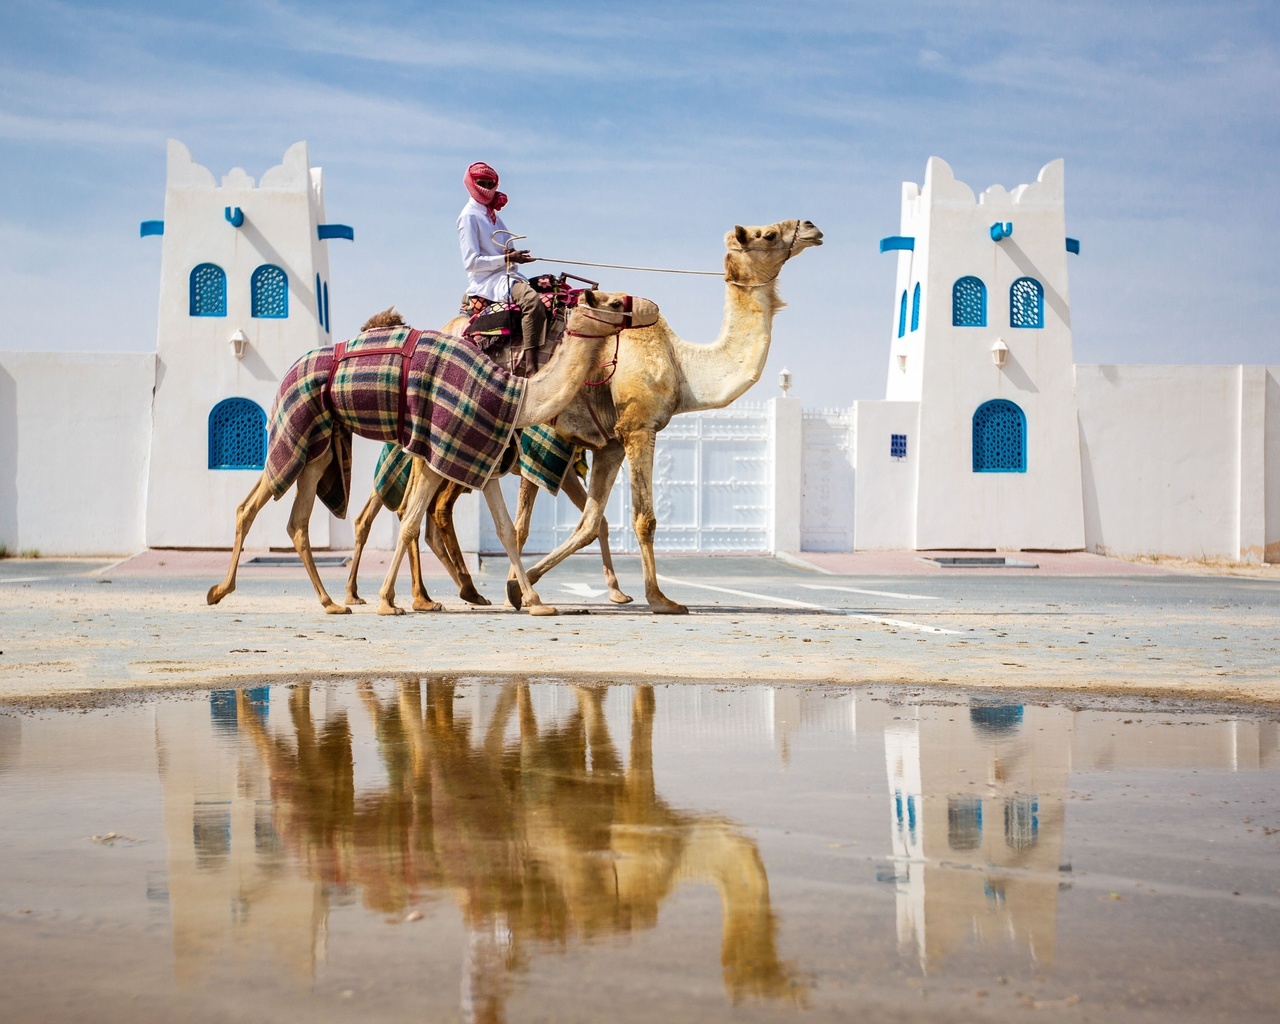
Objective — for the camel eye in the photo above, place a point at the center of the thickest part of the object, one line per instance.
(770, 236)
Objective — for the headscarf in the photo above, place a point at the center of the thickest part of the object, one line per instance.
(490, 198)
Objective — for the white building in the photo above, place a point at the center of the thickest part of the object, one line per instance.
(990, 436)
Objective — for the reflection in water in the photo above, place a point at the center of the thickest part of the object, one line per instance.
(978, 815)
(538, 831)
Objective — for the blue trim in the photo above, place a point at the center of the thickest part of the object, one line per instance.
(324, 231)
(208, 290)
(237, 435)
(902, 314)
(150, 227)
(999, 437)
(969, 303)
(269, 293)
(915, 307)
(327, 321)
(234, 215)
(1026, 303)
(1073, 246)
(906, 242)
(999, 231)
(319, 305)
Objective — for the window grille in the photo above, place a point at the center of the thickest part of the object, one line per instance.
(999, 438)
(1026, 303)
(269, 293)
(1021, 821)
(902, 314)
(964, 822)
(328, 324)
(208, 291)
(898, 446)
(237, 435)
(969, 303)
(915, 307)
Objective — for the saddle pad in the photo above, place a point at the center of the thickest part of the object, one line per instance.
(391, 476)
(461, 409)
(545, 457)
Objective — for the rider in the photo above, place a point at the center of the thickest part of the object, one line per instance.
(491, 261)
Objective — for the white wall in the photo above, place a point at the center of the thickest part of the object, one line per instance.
(75, 430)
(1181, 460)
(885, 500)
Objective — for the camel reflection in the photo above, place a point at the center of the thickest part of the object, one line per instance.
(540, 834)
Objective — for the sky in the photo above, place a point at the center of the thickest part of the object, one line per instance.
(639, 134)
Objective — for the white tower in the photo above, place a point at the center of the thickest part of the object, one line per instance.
(981, 361)
(244, 291)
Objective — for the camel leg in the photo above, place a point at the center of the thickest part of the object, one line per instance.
(639, 447)
(423, 484)
(577, 494)
(604, 470)
(363, 524)
(300, 533)
(246, 512)
(421, 599)
(444, 542)
(507, 534)
(525, 498)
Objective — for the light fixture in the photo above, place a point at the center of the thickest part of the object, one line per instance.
(902, 361)
(784, 381)
(999, 353)
(239, 342)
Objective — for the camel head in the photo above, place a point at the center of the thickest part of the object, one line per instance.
(602, 314)
(756, 255)
(389, 317)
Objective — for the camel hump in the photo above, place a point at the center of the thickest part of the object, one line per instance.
(389, 317)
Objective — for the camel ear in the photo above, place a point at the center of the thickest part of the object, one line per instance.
(740, 233)
(589, 297)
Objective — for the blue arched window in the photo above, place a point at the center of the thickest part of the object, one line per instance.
(969, 303)
(915, 307)
(208, 291)
(999, 438)
(237, 435)
(269, 293)
(1026, 303)
(902, 314)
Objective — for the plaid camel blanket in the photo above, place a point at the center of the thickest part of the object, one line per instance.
(459, 409)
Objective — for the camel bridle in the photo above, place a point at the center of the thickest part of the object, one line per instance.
(627, 319)
(791, 251)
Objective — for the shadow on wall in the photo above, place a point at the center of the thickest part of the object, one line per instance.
(8, 460)
(1089, 493)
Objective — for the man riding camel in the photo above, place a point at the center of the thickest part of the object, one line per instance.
(490, 260)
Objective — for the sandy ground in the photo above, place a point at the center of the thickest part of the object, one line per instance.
(1078, 623)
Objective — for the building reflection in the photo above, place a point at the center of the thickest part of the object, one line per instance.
(537, 826)
(977, 802)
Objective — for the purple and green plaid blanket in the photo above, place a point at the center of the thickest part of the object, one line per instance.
(545, 457)
(391, 475)
(460, 410)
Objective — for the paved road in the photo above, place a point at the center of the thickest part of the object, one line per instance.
(69, 626)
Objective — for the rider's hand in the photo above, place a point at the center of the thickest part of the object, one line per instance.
(519, 256)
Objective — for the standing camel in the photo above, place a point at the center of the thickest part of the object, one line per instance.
(658, 375)
(317, 405)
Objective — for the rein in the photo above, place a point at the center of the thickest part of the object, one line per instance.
(612, 364)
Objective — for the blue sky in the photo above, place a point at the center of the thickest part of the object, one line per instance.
(640, 133)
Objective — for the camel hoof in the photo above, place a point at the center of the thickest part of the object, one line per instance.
(419, 605)
(618, 597)
(213, 597)
(514, 597)
(389, 609)
(333, 608)
(354, 599)
(473, 596)
(666, 607)
(543, 609)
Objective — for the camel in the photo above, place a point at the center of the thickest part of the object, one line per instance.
(440, 534)
(598, 316)
(658, 375)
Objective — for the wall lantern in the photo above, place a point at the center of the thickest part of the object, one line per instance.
(999, 353)
(902, 361)
(239, 342)
(784, 381)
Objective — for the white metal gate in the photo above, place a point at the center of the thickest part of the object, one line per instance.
(712, 490)
(827, 480)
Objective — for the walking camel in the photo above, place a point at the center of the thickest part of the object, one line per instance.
(658, 375)
(320, 402)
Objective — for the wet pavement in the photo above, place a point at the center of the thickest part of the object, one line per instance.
(1079, 622)
(466, 849)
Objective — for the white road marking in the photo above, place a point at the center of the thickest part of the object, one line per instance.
(896, 623)
(25, 579)
(583, 589)
(873, 593)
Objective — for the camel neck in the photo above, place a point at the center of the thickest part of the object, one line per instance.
(716, 374)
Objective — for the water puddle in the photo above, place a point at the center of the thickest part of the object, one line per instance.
(483, 851)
